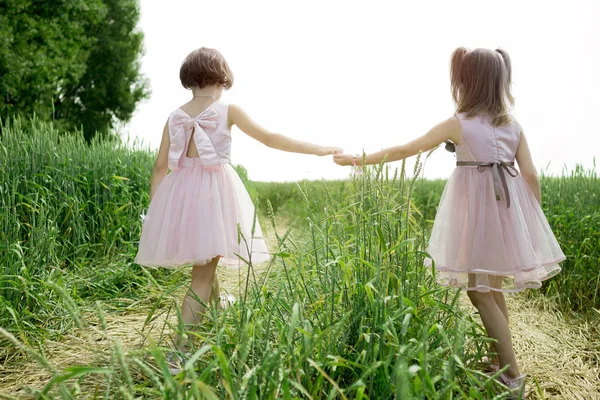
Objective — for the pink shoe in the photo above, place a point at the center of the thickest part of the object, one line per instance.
(516, 385)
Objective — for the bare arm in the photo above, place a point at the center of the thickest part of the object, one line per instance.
(527, 168)
(162, 160)
(448, 129)
(238, 117)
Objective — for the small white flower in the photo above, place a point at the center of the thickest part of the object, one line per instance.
(143, 216)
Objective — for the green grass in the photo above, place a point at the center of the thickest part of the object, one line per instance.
(571, 203)
(348, 309)
(68, 223)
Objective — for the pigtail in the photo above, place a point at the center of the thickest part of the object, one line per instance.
(456, 71)
(506, 59)
(508, 66)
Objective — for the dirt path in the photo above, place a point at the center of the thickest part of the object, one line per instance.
(93, 346)
(560, 355)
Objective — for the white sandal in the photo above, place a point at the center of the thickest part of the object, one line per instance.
(174, 362)
(516, 385)
(226, 301)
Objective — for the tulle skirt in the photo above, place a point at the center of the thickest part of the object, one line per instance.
(194, 216)
(478, 243)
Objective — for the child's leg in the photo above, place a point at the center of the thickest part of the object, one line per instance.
(201, 285)
(496, 326)
(215, 294)
(496, 282)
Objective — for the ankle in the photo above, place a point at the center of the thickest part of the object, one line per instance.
(512, 373)
(181, 342)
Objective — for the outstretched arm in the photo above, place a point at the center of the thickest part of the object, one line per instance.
(238, 117)
(449, 129)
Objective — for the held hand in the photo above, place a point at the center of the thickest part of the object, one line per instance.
(344, 159)
(327, 150)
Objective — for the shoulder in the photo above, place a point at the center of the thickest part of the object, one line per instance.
(220, 105)
(175, 113)
(448, 129)
(514, 122)
(452, 122)
(458, 121)
(235, 109)
(452, 128)
(221, 108)
(172, 117)
(515, 126)
(235, 113)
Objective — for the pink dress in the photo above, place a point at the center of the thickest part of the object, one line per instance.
(196, 211)
(488, 221)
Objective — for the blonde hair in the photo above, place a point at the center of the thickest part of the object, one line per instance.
(480, 80)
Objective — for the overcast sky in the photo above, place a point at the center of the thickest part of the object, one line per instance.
(368, 75)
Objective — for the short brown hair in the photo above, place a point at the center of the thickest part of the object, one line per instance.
(204, 67)
(480, 81)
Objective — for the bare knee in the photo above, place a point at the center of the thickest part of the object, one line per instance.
(480, 299)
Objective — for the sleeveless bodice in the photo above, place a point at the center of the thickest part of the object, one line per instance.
(483, 142)
(211, 136)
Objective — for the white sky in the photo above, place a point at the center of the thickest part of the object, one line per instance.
(368, 75)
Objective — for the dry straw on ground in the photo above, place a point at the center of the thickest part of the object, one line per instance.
(560, 354)
(91, 346)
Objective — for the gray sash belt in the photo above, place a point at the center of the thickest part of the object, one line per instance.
(498, 169)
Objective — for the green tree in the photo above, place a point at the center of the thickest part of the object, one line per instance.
(112, 85)
(73, 61)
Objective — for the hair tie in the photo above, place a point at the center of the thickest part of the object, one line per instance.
(357, 169)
